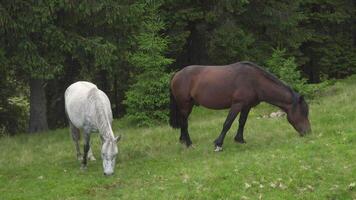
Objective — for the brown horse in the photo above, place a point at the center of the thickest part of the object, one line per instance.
(239, 86)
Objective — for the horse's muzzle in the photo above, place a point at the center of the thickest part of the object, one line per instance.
(305, 132)
(108, 174)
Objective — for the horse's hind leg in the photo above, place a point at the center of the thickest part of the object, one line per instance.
(242, 121)
(234, 110)
(184, 134)
(76, 136)
(86, 148)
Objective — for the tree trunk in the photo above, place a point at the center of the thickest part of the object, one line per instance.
(314, 72)
(38, 110)
(195, 50)
(102, 82)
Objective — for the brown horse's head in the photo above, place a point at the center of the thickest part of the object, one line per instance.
(297, 115)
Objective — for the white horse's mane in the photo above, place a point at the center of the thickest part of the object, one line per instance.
(102, 117)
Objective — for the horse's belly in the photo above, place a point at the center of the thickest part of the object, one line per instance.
(213, 99)
(213, 88)
(214, 104)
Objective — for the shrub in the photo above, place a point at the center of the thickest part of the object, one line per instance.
(147, 100)
(14, 115)
(286, 69)
(14, 103)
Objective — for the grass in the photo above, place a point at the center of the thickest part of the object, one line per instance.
(274, 164)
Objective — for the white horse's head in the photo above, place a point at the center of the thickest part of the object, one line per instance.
(108, 154)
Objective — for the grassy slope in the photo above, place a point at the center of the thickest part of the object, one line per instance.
(274, 164)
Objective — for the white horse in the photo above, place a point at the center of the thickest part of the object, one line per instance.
(89, 108)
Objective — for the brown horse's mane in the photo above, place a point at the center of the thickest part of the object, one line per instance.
(270, 76)
(273, 78)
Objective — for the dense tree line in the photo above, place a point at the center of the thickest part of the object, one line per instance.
(129, 49)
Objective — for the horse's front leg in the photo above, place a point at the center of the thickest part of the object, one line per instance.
(91, 155)
(234, 110)
(86, 148)
(242, 121)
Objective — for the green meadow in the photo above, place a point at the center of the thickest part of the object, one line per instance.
(275, 163)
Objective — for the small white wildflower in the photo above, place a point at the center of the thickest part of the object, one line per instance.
(311, 188)
(244, 198)
(247, 185)
(282, 186)
(302, 189)
(334, 187)
(186, 178)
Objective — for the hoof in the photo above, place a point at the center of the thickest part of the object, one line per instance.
(238, 140)
(83, 167)
(189, 145)
(218, 149)
(79, 157)
(91, 158)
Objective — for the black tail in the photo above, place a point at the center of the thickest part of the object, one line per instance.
(174, 114)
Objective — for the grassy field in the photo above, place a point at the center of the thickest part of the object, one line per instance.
(275, 163)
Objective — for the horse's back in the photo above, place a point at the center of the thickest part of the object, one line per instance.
(77, 92)
(80, 89)
(77, 102)
(213, 86)
(191, 74)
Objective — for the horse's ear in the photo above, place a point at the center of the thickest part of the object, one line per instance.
(117, 138)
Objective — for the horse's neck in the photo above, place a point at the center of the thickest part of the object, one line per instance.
(279, 96)
(101, 117)
(105, 129)
(103, 124)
